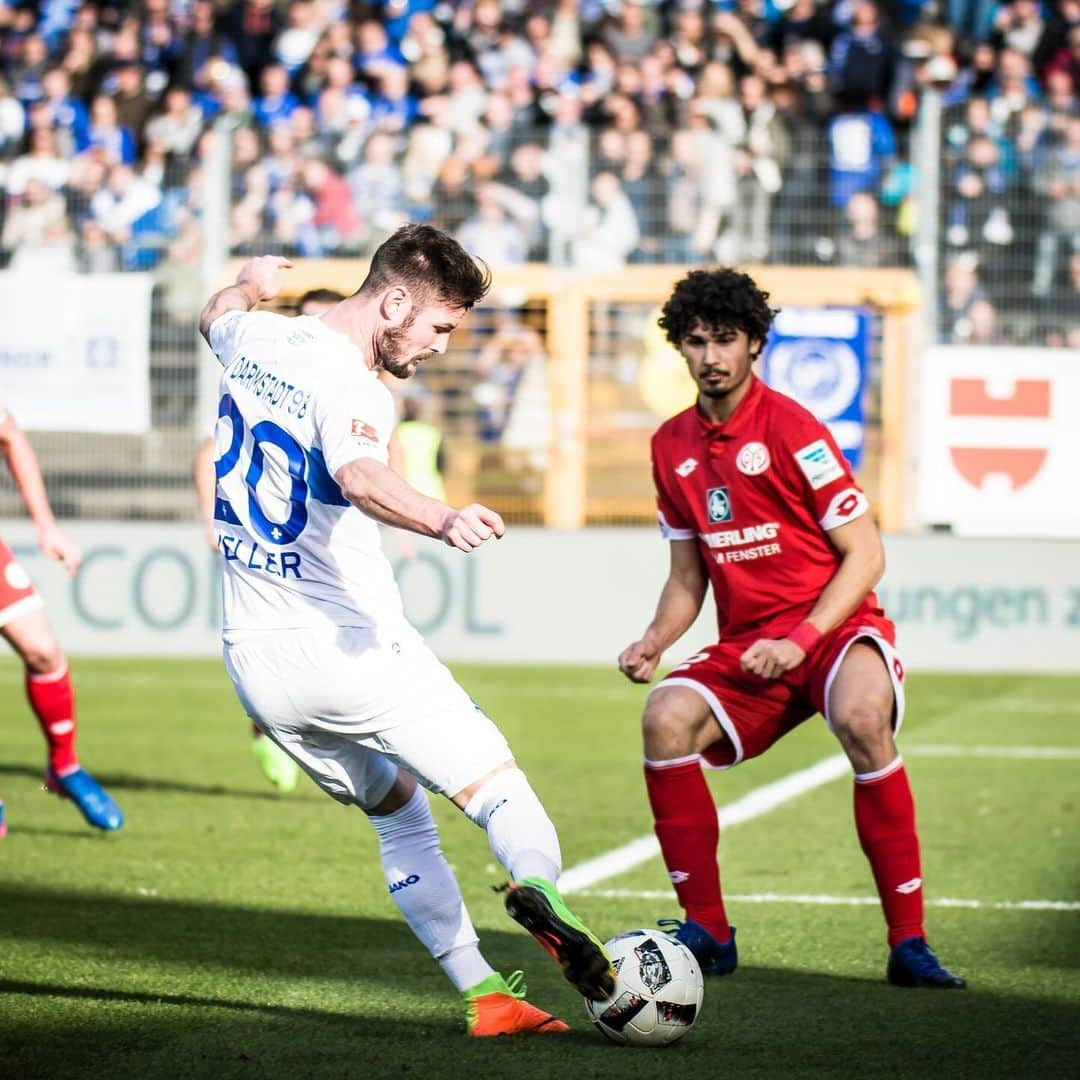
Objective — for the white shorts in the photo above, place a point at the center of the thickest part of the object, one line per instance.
(350, 709)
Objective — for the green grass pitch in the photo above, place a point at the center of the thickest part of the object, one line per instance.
(228, 931)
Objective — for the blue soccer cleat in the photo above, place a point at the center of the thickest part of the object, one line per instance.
(714, 957)
(912, 964)
(88, 795)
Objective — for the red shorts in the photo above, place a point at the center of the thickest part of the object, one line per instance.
(17, 592)
(755, 712)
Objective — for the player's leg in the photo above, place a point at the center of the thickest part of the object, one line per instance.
(52, 699)
(524, 841)
(677, 726)
(863, 708)
(427, 894)
(295, 690)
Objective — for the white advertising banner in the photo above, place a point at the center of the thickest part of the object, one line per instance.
(540, 596)
(1000, 441)
(76, 351)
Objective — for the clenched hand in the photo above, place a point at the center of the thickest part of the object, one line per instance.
(468, 528)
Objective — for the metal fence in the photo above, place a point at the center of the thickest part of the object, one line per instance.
(988, 236)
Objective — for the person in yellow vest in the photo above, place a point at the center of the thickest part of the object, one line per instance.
(422, 450)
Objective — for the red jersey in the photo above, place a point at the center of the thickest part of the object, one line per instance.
(758, 493)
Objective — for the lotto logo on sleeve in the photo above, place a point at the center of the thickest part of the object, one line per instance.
(364, 432)
(819, 464)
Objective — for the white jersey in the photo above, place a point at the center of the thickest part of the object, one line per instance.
(297, 402)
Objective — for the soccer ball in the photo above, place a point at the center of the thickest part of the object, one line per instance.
(658, 990)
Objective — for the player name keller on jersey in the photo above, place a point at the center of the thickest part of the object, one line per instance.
(297, 402)
(759, 495)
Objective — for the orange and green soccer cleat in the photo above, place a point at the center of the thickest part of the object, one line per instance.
(496, 1006)
(537, 905)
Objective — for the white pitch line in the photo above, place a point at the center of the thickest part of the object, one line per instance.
(769, 796)
(1053, 753)
(843, 901)
(753, 804)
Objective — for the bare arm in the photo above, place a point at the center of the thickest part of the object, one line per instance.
(22, 463)
(379, 492)
(202, 473)
(678, 607)
(259, 279)
(862, 562)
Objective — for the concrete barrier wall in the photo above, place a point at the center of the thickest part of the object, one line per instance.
(575, 597)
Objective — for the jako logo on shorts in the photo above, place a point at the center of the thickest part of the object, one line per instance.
(397, 886)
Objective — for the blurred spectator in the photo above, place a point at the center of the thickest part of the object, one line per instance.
(377, 189)
(177, 128)
(123, 207)
(632, 37)
(252, 28)
(498, 229)
(982, 326)
(133, 104)
(40, 162)
(38, 232)
(700, 179)
(1060, 314)
(96, 255)
(67, 114)
(335, 215)
(978, 215)
(117, 143)
(525, 174)
(12, 121)
(862, 59)
(503, 363)
(422, 450)
(962, 290)
(1057, 179)
(762, 150)
(1029, 27)
(202, 42)
(644, 188)
(862, 242)
(608, 234)
(275, 102)
(861, 149)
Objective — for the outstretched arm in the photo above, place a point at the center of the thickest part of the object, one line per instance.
(679, 605)
(380, 493)
(259, 279)
(22, 463)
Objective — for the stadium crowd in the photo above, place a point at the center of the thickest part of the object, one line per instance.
(589, 133)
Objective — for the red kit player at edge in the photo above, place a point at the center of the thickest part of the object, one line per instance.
(756, 500)
(26, 629)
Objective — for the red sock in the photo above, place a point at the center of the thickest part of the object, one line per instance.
(53, 701)
(885, 821)
(688, 830)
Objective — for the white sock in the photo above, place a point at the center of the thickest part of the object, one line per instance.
(426, 892)
(519, 831)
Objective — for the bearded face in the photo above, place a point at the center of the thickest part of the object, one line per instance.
(424, 333)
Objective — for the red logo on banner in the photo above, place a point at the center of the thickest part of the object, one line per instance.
(1030, 400)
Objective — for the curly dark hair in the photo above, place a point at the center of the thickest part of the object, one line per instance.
(717, 298)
